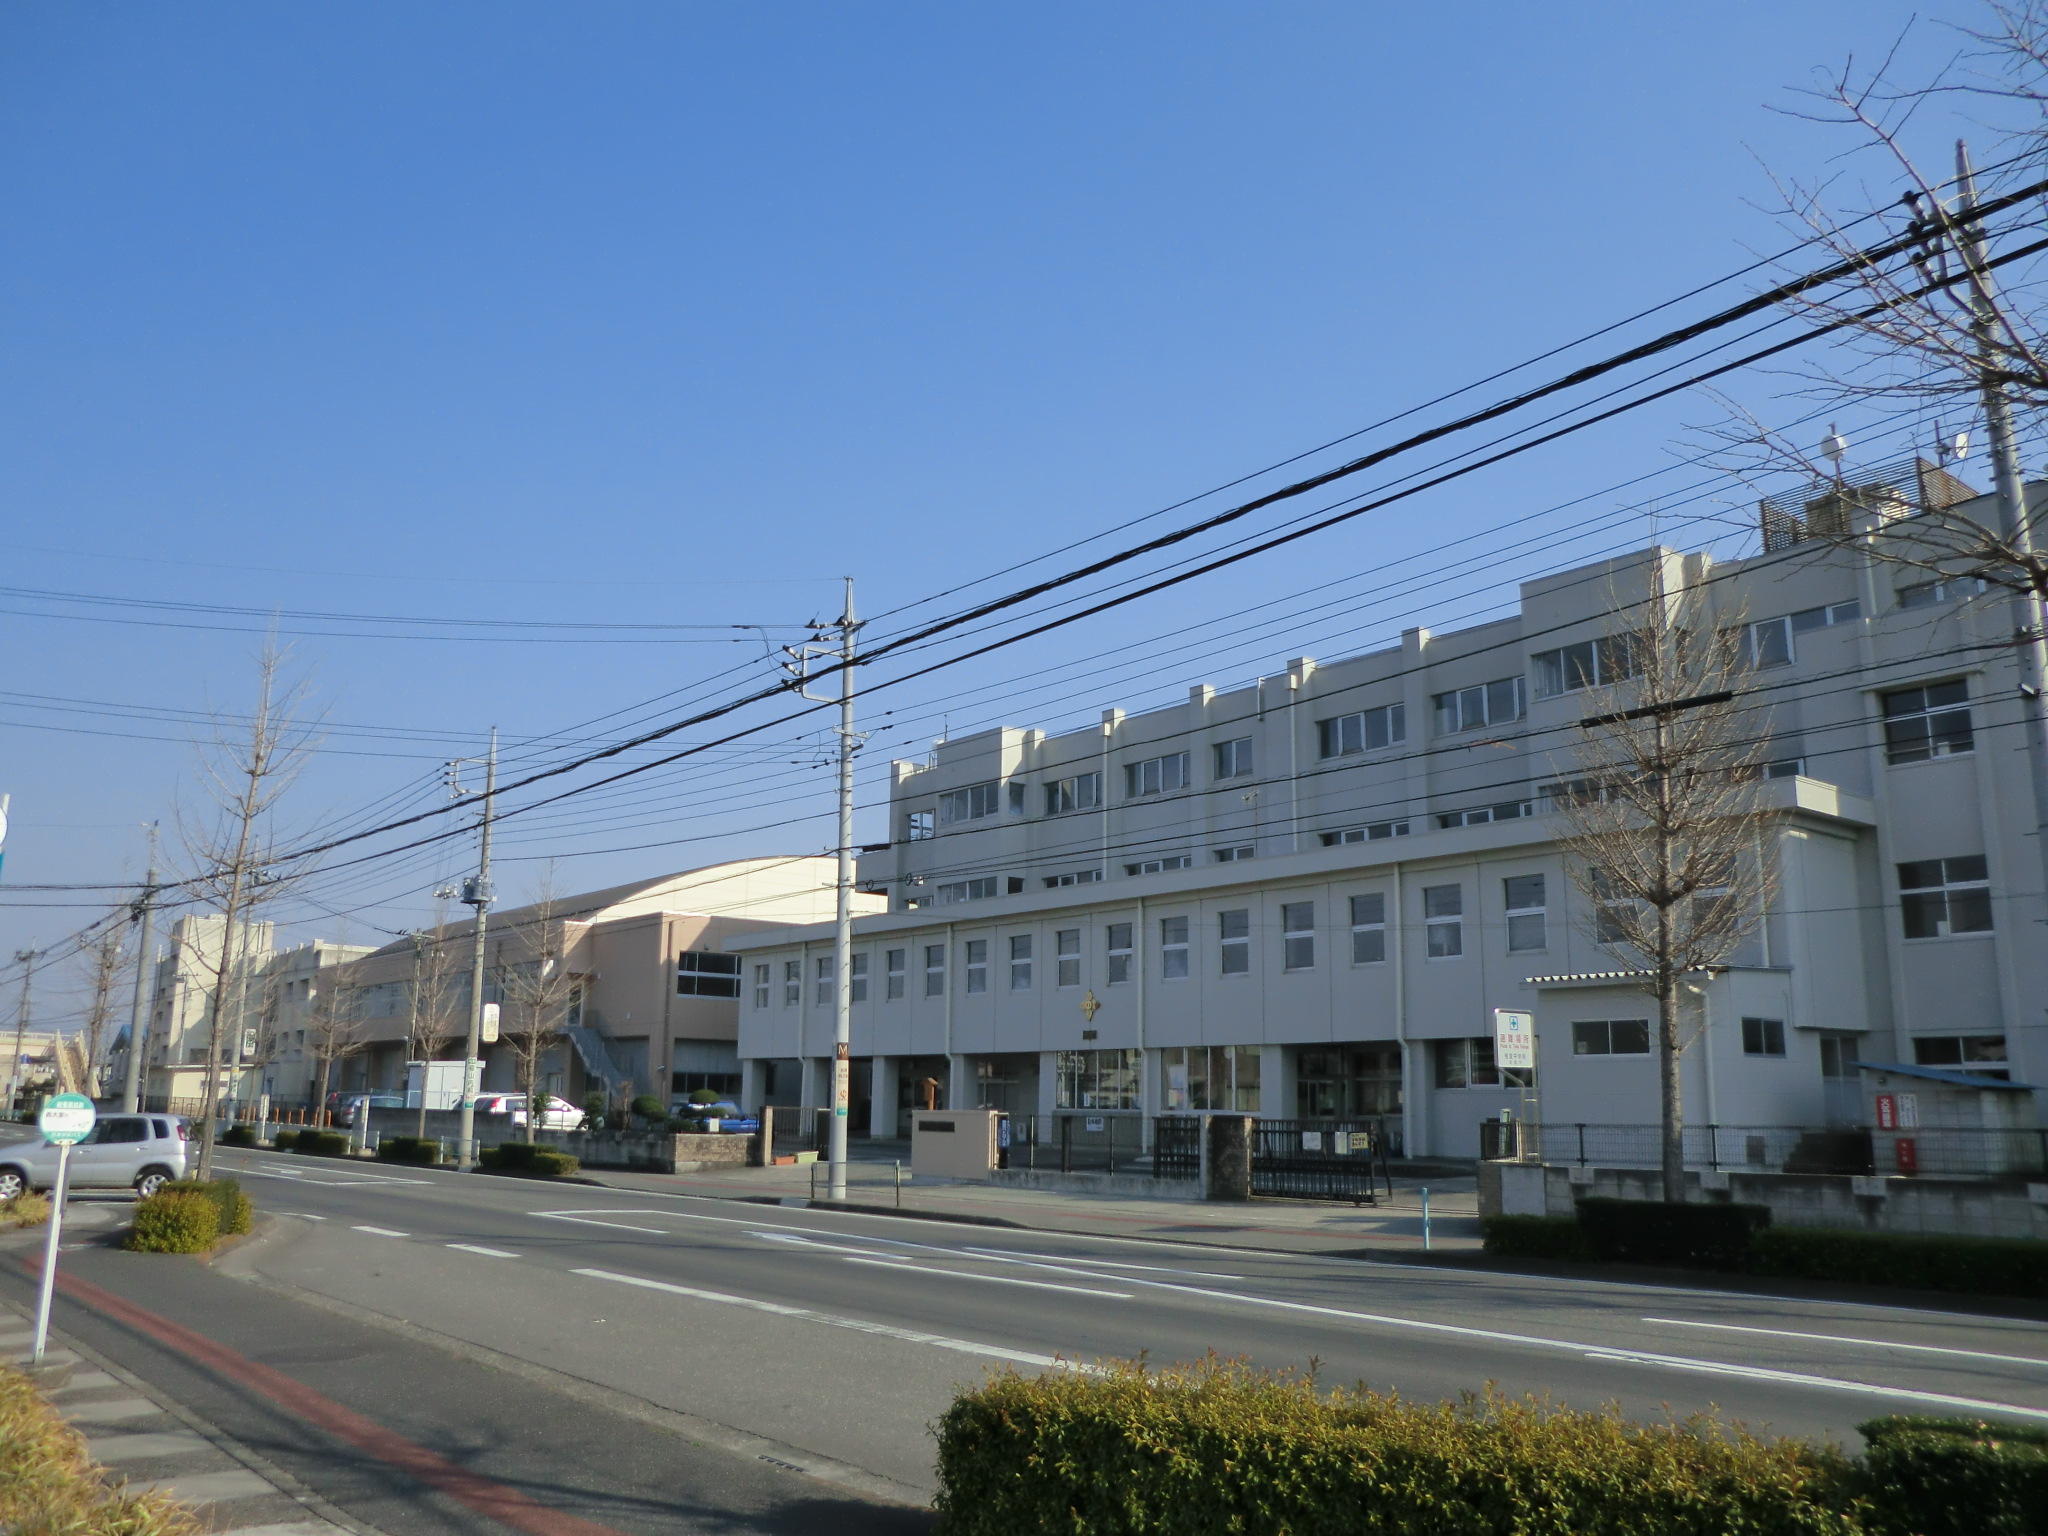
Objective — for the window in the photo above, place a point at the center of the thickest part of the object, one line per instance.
(1233, 758)
(1083, 792)
(1156, 775)
(1950, 589)
(1237, 854)
(1585, 665)
(1020, 962)
(1369, 928)
(1963, 1053)
(824, 964)
(1117, 943)
(1467, 709)
(1066, 945)
(1360, 1081)
(1016, 798)
(1073, 877)
(1614, 912)
(1839, 1055)
(1210, 1077)
(935, 970)
(1097, 1079)
(977, 965)
(1470, 1064)
(857, 970)
(970, 804)
(1808, 619)
(1933, 721)
(1366, 731)
(760, 986)
(792, 983)
(1611, 1037)
(917, 826)
(1173, 947)
(1298, 935)
(1524, 894)
(1940, 897)
(1155, 866)
(1443, 908)
(1234, 931)
(1370, 833)
(892, 971)
(1763, 1037)
(706, 973)
(964, 890)
(1479, 815)
(1766, 644)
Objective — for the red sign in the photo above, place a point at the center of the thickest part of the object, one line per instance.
(1887, 1112)
(1907, 1150)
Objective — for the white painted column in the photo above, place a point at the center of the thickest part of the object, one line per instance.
(960, 1080)
(752, 1084)
(1276, 1082)
(882, 1092)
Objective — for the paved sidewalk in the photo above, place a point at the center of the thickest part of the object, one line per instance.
(1293, 1226)
(150, 1445)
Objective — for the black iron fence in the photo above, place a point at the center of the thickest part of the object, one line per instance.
(1079, 1142)
(1941, 1151)
(1321, 1159)
(793, 1130)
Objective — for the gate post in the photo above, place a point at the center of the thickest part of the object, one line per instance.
(764, 1139)
(1230, 1157)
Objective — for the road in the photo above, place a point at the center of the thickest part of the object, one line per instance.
(769, 1341)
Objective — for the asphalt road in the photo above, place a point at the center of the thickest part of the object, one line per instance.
(614, 1348)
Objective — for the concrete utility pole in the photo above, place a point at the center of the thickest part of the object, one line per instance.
(842, 936)
(138, 1012)
(2015, 522)
(26, 959)
(476, 893)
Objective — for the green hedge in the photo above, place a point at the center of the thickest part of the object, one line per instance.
(525, 1157)
(1953, 1477)
(238, 1135)
(236, 1211)
(321, 1144)
(409, 1149)
(1535, 1237)
(1714, 1234)
(284, 1140)
(1218, 1449)
(176, 1219)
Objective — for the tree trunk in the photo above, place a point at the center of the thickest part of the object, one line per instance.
(1671, 1104)
(320, 1089)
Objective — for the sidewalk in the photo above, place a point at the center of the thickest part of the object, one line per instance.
(1287, 1226)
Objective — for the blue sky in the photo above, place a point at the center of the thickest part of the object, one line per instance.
(674, 314)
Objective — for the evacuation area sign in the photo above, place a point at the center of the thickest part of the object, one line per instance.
(1514, 1040)
(67, 1119)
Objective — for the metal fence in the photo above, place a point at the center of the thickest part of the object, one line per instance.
(794, 1130)
(1079, 1142)
(1321, 1159)
(1943, 1151)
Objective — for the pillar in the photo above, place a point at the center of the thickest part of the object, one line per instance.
(882, 1092)
(753, 1085)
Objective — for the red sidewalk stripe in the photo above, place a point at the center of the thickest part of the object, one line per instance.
(506, 1505)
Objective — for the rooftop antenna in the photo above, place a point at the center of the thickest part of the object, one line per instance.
(1835, 447)
(1949, 449)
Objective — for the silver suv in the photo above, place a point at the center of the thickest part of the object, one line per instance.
(138, 1152)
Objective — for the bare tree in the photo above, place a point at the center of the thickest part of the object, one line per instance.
(334, 1025)
(1664, 805)
(248, 765)
(538, 990)
(438, 1018)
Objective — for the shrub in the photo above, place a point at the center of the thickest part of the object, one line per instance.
(1953, 1477)
(27, 1209)
(409, 1149)
(238, 1135)
(285, 1140)
(703, 1096)
(524, 1157)
(1535, 1237)
(235, 1210)
(1716, 1236)
(1998, 1266)
(1220, 1448)
(648, 1107)
(321, 1144)
(48, 1485)
(176, 1219)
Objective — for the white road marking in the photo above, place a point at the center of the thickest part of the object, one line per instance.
(1837, 1338)
(489, 1253)
(616, 1226)
(302, 1215)
(961, 1274)
(339, 1177)
(1054, 1258)
(858, 1325)
(380, 1232)
(1801, 1379)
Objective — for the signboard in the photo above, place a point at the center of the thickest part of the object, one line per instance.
(1514, 1040)
(1907, 1151)
(1887, 1112)
(842, 1081)
(67, 1119)
(1909, 1111)
(487, 1033)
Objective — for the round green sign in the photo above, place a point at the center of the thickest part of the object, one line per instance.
(67, 1119)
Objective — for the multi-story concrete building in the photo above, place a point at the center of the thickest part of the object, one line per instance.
(181, 1013)
(287, 1064)
(1304, 896)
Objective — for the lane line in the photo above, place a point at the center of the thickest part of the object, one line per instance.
(1054, 1258)
(489, 1253)
(380, 1232)
(616, 1226)
(1837, 1338)
(857, 1325)
(1802, 1379)
(958, 1274)
(348, 1178)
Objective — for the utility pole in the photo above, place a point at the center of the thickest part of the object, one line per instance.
(476, 893)
(138, 1012)
(2015, 523)
(26, 959)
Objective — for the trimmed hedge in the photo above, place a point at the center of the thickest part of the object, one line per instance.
(320, 1144)
(1713, 1235)
(284, 1140)
(527, 1159)
(175, 1220)
(236, 1210)
(1535, 1237)
(424, 1150)
(238, 1135)
(1953, 1477)
(1219, 1448)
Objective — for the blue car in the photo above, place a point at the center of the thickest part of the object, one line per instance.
(730, 1117)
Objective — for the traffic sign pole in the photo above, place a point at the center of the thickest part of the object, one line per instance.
(66, 1119)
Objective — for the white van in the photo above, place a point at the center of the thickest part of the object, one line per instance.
(138, 1152)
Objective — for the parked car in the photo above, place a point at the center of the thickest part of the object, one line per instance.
(555, 1115)
(730, 1116)
(355, 1103)
(138, 1152)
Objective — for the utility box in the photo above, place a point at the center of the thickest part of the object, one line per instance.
(433, 1085)
(953, 1143)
